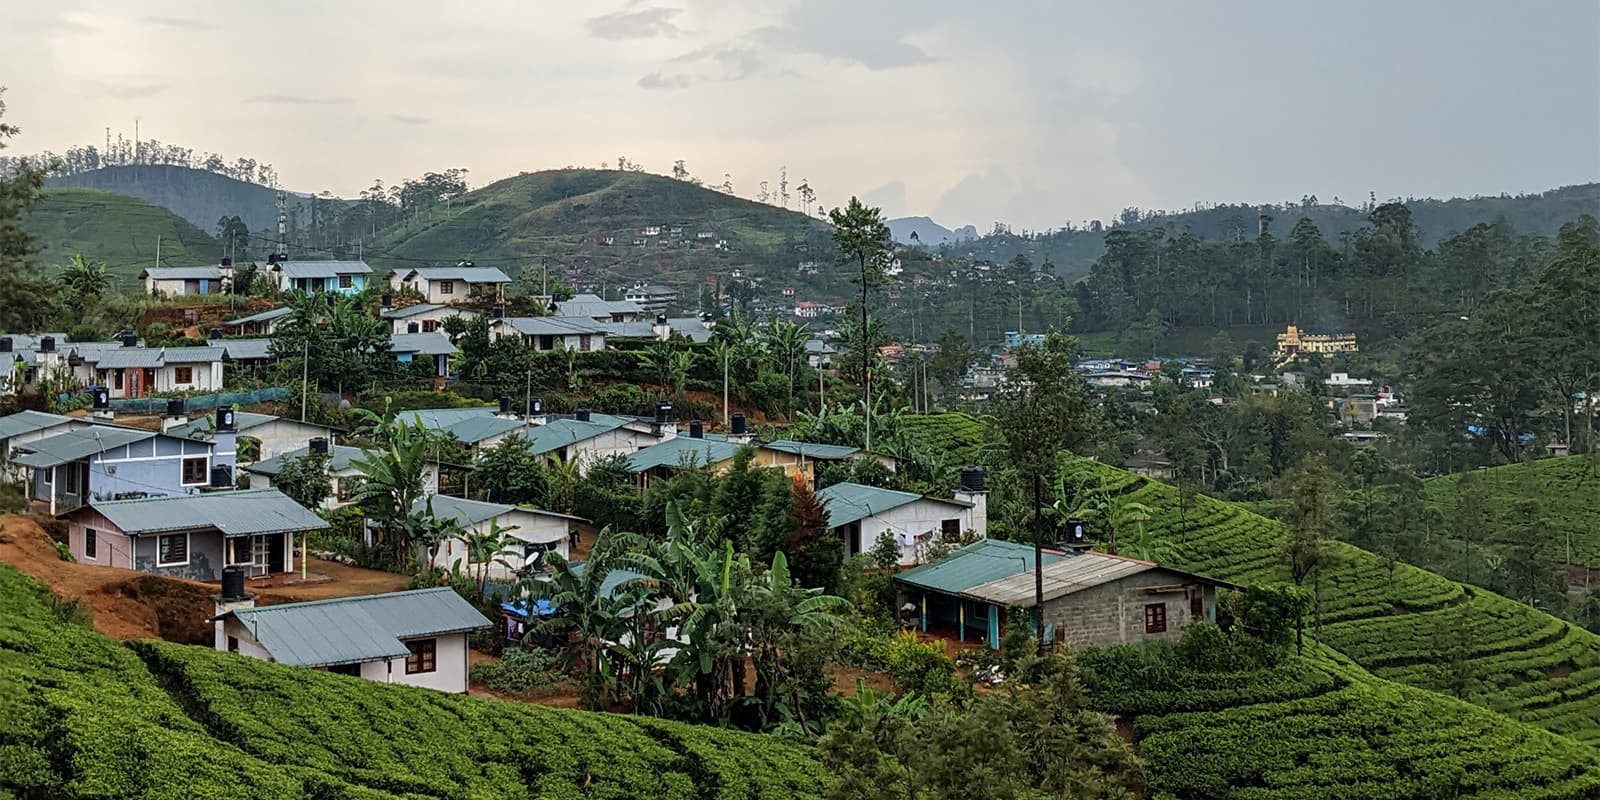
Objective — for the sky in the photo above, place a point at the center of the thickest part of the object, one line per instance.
(1034, 113)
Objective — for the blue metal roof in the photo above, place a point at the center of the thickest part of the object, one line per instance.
(63, 448)
(24, 422)
(682, 451)
(851, 502)
(559, 433)
(825, 452)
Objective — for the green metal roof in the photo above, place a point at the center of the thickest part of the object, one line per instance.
(472, 512)
(199, 427)
(974, 565)
(349, 630)
(852, 502)
(559, 433)
(682, 451)
(24, 422)
(476, 429)
(64, 448)
(439, 418)
(825, 452)
(265, 316)
(339, 458)
(234, 513)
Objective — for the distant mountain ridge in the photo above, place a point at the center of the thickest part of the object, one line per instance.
(928, 232)
(199, 196)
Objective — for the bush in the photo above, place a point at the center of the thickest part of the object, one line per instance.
(64, 551)
(519, 672)
(919, 667)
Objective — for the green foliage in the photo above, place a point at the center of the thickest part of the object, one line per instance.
(118, 230)
(305, 480)
(518, 672)
(510, 473)
(919, 667)
(64, 552)
(1567, 491)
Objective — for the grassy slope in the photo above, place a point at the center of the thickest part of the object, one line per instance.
(118, 230)
(1522, 662)
(85, 717)
(1568, 494)
(515, 221)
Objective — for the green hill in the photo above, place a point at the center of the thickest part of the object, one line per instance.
(118, 230)
(1397, 621)
(568, 215)
(85, 717)
(1565, 498)
(199, 196)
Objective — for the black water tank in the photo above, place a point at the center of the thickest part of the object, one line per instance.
(319, 445)
(536, 405)
(101, 398)
(47, 344)
(697, 430)
(5, 344)
(663, 412)
(1075, 533)
(582, 415)
(221, 476)
(227, 262)
(972, 479)
(736, 425)
(175, 407)
(661, 319)
(214, 333)
(233, 582)
(130, 340)
(505, 404)
(500, 311)
(225, 419)
(412, 327)
(386, 301)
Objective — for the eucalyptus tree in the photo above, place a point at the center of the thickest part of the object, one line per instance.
(862, 236)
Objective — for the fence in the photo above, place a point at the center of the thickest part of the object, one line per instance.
(204, 402)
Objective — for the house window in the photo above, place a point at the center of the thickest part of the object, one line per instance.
(1155, 618)
(1197, 605)
(583, 343)
(430, 325)
(194, 471)
(233, 644)
(950, 530)
(347, 282)
(90, 543)
(69, 479)
(116, 377)
(422, 657)
(183, 374)
(447, 287)
(49, 475)
(353, 670)
(172, 550)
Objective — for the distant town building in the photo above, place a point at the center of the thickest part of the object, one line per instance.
(1292, 343)
(653, 298)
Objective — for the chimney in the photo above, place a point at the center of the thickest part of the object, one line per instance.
(176, 414)
(697, 430)
(231, 598)
(739, 430)
(582, 415)
(972, 491)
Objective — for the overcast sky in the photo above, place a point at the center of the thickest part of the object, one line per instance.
(1033, 112)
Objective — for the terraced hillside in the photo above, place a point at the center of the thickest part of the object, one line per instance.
(1315, 728)
(84, 717)
(1398, 621)
(1567, 495)
(117, 230)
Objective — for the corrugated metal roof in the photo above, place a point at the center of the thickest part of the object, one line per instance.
(246, 349)
(24, 422)
(476, 429)
(559, 433)
(552, 326)
(130, 358)
(191, 355)
(1074, 573)
(472, 512)
(690, 328)
(974, 565)
(439, 418)
(235, 513)
(409, 311)
(592, 305)
(825, 452)
(347, 630)
(681, 451)
(182, 273)
(422, 344)
(323, 269)
(265, 316)
(851, 502)
(339, 458)
(467, 274)
(64, 448)
(201, 426)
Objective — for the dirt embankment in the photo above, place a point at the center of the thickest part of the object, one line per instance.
(123, 604)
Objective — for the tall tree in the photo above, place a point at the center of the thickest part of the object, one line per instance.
(27, 300)
(862, 236)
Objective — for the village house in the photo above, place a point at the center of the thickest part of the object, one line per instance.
(435, 348)
(700, 450)
(417, 637)
(257, 436)
(24, 427)
(805, 309)
(262, 324)
(192, 536)
(552, 333)
(131, 371)
(819, 354)
(695, 329)
(588, 437)
(861, 515)
(531, 534)
(107, 462)
(423, 317)
(179, 281)
(479, 427)
(828, 453)
(249, 355)
(27, 359)
(1091, 599)
(445, 285)
(343, 277)
(1117, 379)
(341, 472)
(653, 298)
(593, 306)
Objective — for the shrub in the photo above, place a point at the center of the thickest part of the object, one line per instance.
(518, 672)
(919, 667)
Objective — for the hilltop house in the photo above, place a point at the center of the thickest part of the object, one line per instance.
(532, 533)
(106, 462)
(599, 309)
(1292, 343)
(262, 324)
(343, 475)
(456, 284)
(552, 333)
(178, 281)
(417, 637)
(1090, 599)
(423, 317)
(344, 277)
(258, 436)
(192, 536)
(861, 515)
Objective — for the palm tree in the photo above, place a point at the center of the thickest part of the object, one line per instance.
(84, 277)
(392, 478)
(786, 341)
(487, 548)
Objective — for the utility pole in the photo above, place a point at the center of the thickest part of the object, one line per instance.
(726, 350)
(527, 400)
(158, 250)
(305, 372)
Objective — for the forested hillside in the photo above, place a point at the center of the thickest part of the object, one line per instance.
(88, 718)
(118, 230)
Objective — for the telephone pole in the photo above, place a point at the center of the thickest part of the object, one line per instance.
(305, 372)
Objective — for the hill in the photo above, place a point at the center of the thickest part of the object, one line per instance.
(118, 230)
(199, 196)
(593, 219)
(1565, 497)
(928, 232)
(86, 717)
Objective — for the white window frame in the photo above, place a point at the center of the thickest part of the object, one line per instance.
(91, 544)
(187, 553)
(182, 460)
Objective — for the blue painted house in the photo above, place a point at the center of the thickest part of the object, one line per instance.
(344, 277)
(106, 462)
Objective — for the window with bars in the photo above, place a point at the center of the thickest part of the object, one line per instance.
(183, 374)
(346, 282)
(1155, 618)
(447, 287)
(172, 550)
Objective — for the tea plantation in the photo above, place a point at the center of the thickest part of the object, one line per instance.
(1391, 618)
(84, 717)
(1567, 509)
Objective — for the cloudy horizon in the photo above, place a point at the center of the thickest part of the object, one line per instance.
(1031, 113)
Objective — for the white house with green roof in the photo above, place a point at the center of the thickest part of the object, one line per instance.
(259, 436)
(862, 515)
(531, 533)
(344, 475)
